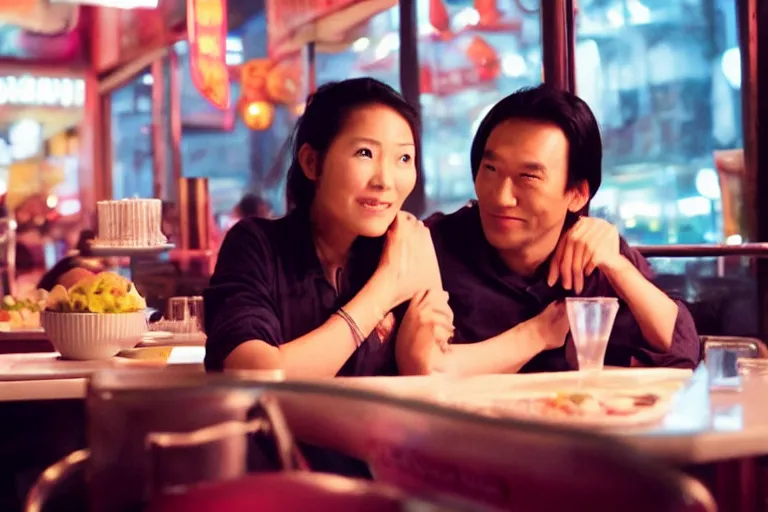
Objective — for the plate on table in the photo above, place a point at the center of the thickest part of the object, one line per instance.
(50, 365)
(587, 408)
(169, 339)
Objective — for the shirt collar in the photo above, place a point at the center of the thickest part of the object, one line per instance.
(363, 257)
(489, 262)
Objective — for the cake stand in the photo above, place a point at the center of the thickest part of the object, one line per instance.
(134, 253)
(105, 251)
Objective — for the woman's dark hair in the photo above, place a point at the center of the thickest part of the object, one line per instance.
(324, 117)
(561, 108)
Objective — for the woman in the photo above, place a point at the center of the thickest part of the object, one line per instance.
(313, 293)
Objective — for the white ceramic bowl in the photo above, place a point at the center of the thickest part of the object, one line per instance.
(90, 336)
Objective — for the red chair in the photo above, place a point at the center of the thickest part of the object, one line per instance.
(295, 492)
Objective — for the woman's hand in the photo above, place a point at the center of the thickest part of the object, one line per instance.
(549, 328)
(426, 332)
(408, 262)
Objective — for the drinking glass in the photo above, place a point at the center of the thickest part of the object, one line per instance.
(187, 311)
(591, 320)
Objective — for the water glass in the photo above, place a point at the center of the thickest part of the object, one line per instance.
(187, 311)
(591, 320)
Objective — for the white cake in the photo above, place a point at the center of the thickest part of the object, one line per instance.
(130, 223)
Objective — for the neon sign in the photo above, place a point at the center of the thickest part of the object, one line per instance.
(40, 91)
(207, 32)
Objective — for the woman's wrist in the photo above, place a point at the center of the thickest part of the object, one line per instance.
(383, 287)
(368, 308)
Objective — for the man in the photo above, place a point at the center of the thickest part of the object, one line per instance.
(508, 262)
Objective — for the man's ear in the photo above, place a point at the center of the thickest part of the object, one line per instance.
(579, 197)
(308, 161)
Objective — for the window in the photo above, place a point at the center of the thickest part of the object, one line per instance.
(664, 82)
(471, 55)
(663, 79)
(372, 49)
(131, 134)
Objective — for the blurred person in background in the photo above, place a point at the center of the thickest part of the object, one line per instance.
(252, 205)
(77, 265)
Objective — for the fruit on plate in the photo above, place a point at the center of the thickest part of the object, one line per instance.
(22, 313)
(106, 292)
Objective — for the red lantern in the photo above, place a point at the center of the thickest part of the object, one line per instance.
(438, 16)
(484, 58)
(488, 11)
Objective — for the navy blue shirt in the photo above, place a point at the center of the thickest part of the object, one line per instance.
(488, 298)
(269, 285)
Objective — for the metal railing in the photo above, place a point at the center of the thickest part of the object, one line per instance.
(755, 250)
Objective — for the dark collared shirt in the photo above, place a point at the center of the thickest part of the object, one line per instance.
(269, 285)
(487, 299)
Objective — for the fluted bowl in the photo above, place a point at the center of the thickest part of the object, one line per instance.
(93, 336)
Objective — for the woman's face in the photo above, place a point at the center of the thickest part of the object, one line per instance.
(368, 171)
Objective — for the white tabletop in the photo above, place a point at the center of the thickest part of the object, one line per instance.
(702, 426)
(45, 376)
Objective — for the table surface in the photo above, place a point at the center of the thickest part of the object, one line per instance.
(702, 426)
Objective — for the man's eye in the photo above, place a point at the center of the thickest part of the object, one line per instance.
(529, 176)
(489, 167)
(364, 152)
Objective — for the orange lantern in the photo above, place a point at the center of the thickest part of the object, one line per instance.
(257, 114)
(284, 82)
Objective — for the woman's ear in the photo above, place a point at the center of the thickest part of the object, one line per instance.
(579, 197)
(308, 161)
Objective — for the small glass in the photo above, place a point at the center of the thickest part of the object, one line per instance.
(591, 320)
(187, 311)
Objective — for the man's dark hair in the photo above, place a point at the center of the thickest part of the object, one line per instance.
(568, 112)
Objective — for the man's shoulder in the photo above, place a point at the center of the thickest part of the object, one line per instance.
(456, 226)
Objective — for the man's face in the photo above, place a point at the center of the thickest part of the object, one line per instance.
(521, 186)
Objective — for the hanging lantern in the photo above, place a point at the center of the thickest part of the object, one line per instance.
(488, 11)
(257, 114)
(283, 83)
(484, 58)
(438, 17)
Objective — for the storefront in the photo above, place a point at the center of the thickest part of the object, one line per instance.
(662, 80)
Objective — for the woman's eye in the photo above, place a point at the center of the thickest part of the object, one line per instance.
(364, 152)
(406, 158)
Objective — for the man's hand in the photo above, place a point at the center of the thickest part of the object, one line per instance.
(591, 243)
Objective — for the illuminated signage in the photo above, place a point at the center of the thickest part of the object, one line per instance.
(40, 91)
(207, 32)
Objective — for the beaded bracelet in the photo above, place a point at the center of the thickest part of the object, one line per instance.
(356, 331)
